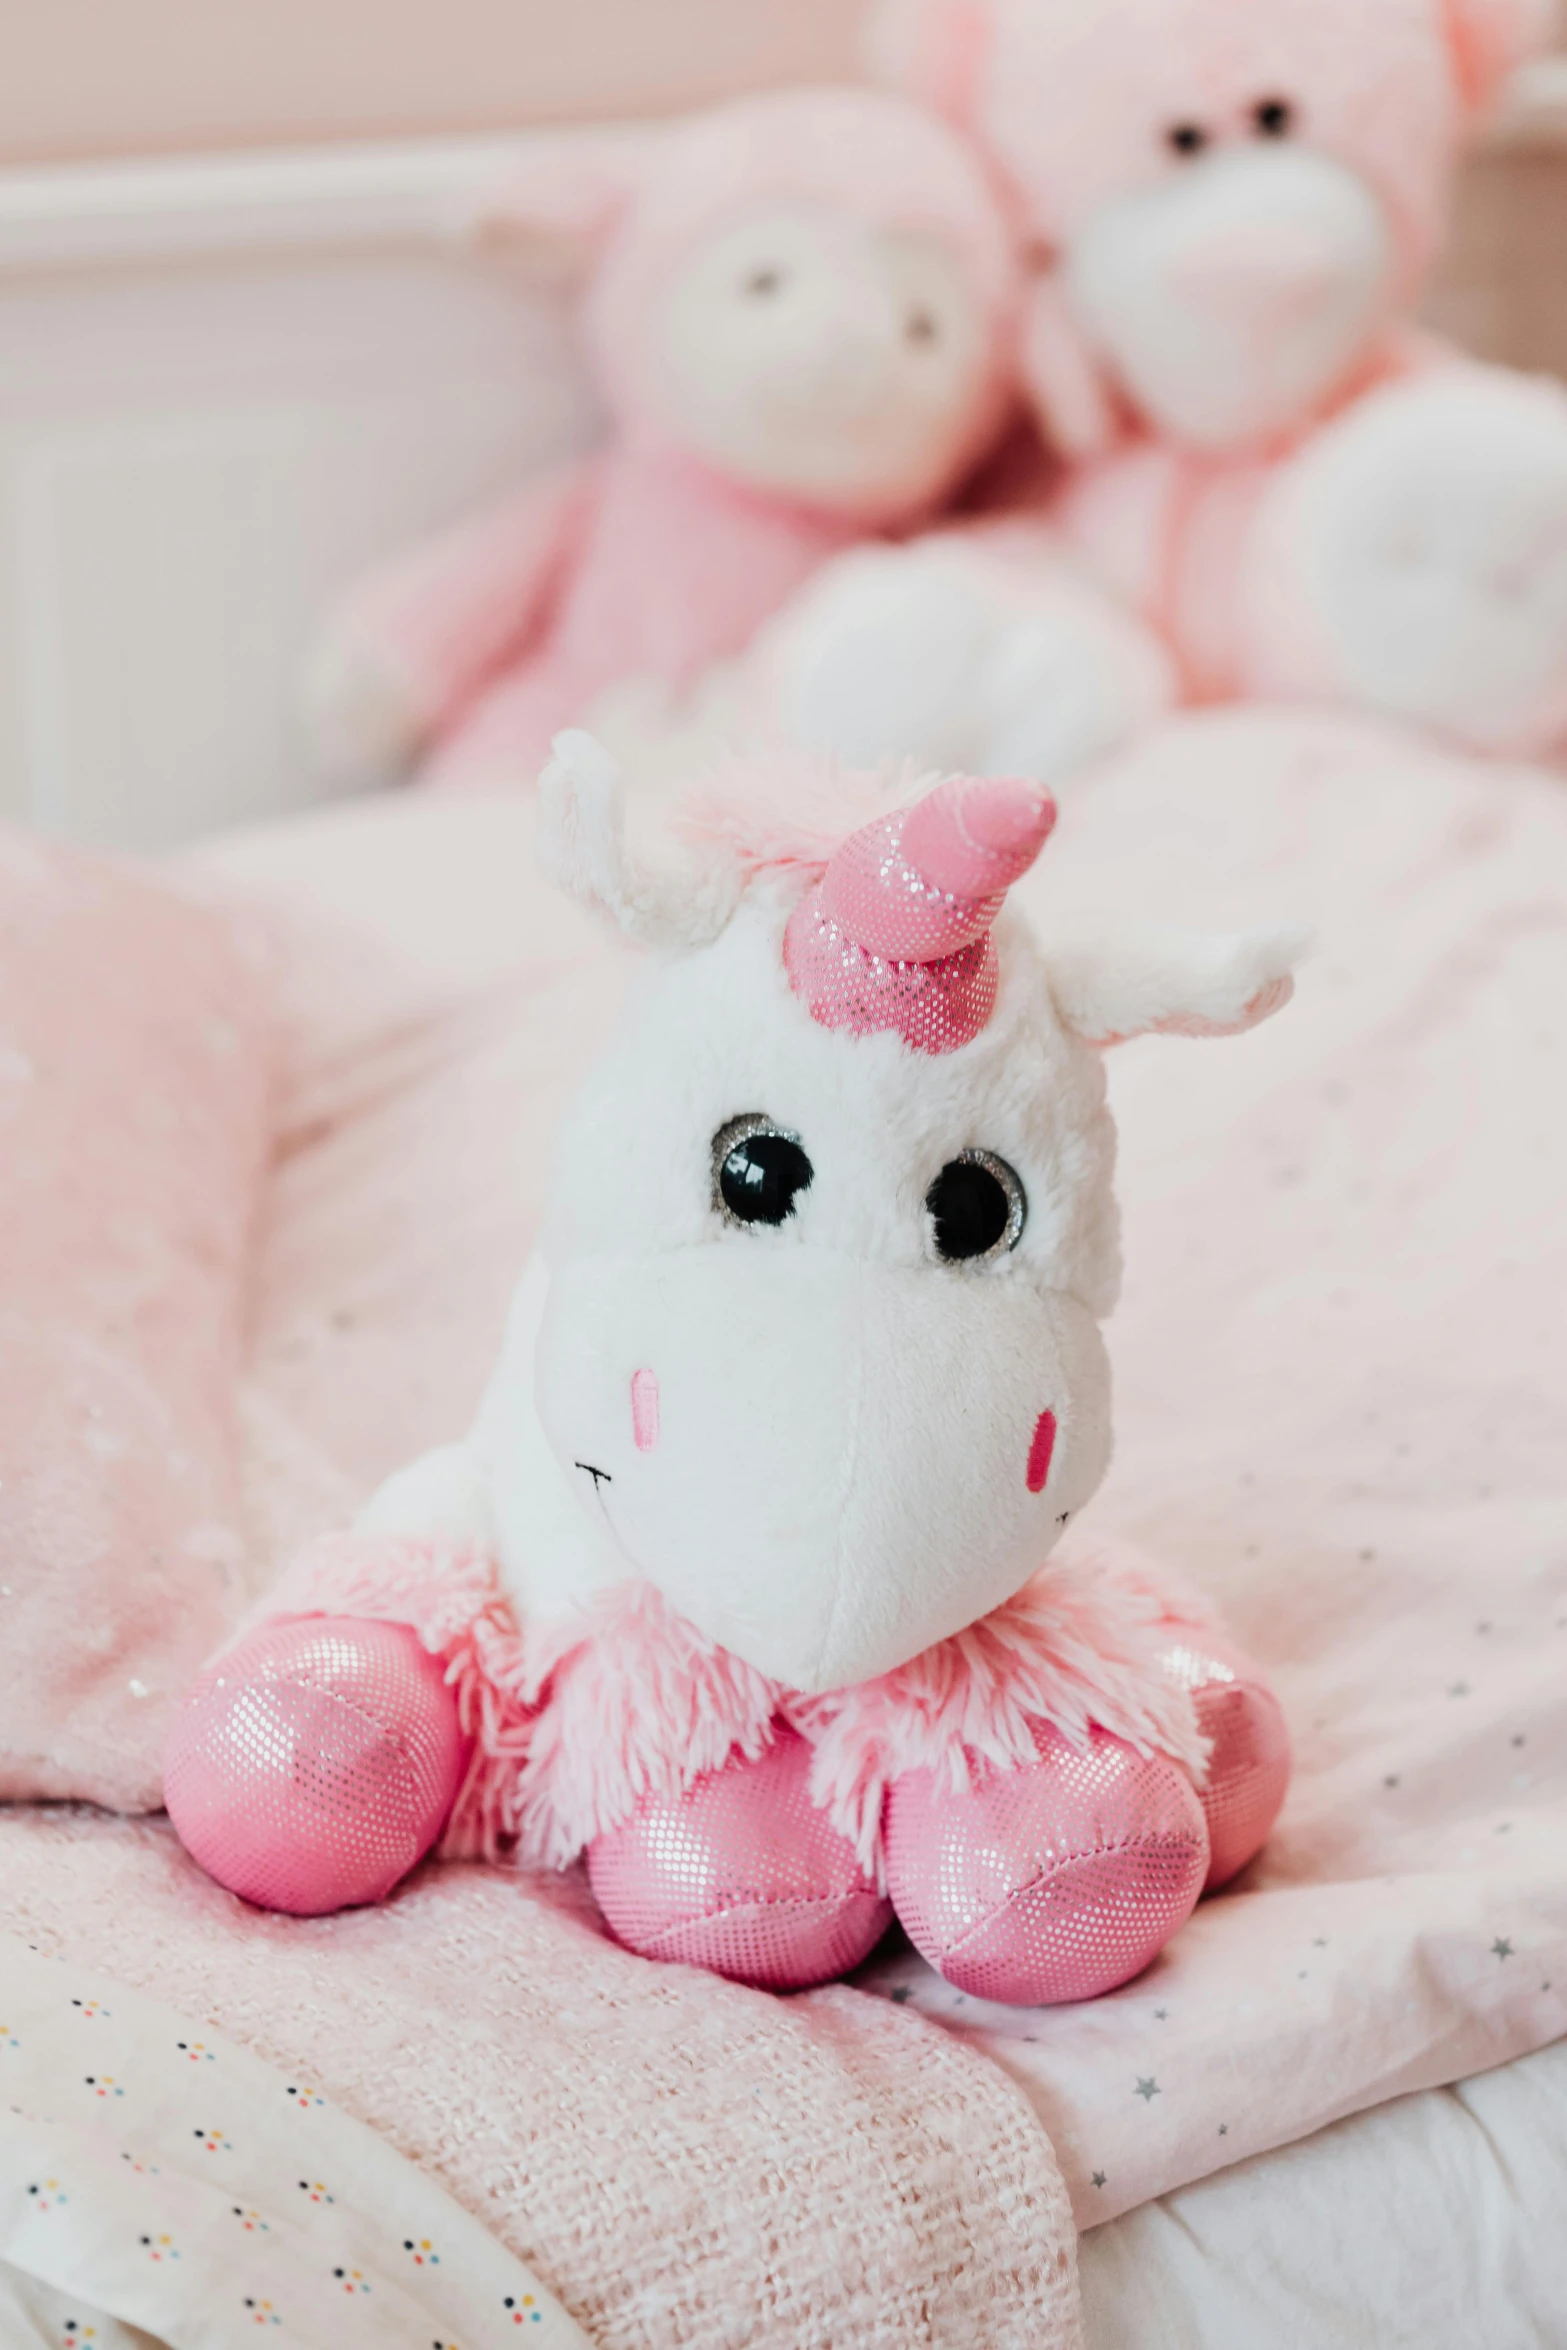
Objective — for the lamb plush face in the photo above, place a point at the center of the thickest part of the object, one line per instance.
(815, 293)
(1236, 194)
(832, 1227)
(824, 357)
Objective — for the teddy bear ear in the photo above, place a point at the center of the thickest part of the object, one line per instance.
(1490, 39)
(558, 204)
(1158, 982)
(931, 49)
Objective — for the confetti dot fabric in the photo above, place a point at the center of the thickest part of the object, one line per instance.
(219, 2199)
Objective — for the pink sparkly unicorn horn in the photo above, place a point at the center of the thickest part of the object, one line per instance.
(896, 934)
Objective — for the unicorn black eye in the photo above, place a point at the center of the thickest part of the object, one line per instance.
(1274, 118)
(759, 1171)
(1186, 138)
(977, 1208)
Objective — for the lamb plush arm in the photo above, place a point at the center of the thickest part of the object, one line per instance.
(408, 646)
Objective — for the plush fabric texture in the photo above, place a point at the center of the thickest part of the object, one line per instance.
(1237, 203)
(575, 1721)
(136, 1070)
(799, 317)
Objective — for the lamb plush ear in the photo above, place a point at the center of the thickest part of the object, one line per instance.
(1492, 38)
(560, 202)
(582, 846)
(1173, 982)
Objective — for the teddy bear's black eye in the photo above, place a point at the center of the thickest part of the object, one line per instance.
(977, 1207)
(764, 282)
(1274, 118)
(1187, 138)
(759, 1171)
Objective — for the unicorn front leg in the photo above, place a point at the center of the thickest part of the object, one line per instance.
(316, 1763)
(1047, 1881)
(318, 1760)
(742, 1874)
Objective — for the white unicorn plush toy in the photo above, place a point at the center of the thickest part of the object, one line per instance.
(742, 1582)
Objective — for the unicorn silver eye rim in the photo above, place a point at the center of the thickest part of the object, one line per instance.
(757, 1186)
(975, 1221)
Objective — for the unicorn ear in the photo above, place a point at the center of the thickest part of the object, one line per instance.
(1173, 982)
(582, 847)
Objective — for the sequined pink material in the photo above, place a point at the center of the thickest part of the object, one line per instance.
(1249, 1768)
(315, 1763)
(743, 1875)
(1050, 1882)
(897, 932)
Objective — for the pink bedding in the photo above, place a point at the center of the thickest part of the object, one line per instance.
(135, 1109)
(1341, 1362)
(689, 2165)
(1342, 1406)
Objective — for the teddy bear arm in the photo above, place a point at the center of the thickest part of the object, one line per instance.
(1412, 559)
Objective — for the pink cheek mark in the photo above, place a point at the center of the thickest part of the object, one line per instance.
(644, 1409)
(1039, 1451)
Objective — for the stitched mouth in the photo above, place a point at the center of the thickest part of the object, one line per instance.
(599, 1476)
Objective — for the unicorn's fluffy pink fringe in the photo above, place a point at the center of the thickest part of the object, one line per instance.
(574, 1722)
(783, 810)
(1076, 1647)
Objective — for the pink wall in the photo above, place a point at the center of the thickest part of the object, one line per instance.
(82, 78)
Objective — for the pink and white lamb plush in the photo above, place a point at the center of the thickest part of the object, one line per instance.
(801, 321)
(740, 1582)
(1235, 206)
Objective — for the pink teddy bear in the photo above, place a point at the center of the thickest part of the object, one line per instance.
(1235, 205)
(801, 321)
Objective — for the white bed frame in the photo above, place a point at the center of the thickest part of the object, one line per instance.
(226, 384)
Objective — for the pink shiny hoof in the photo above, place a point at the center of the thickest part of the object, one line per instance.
(1055, 1881)
(314, 1764)
(742, 1875)
(1249, 1768)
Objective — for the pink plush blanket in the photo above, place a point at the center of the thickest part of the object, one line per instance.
(1341, 1367)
